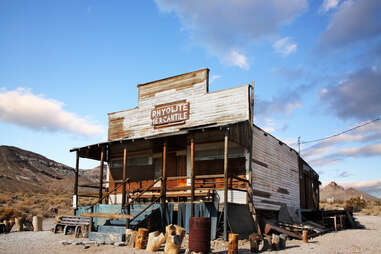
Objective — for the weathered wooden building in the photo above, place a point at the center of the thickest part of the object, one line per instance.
(194, 152)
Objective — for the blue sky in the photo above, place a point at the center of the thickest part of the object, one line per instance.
(316, 64)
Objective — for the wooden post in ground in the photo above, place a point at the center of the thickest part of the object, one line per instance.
(305, 236)
(341, 221)
(141, 239)
(37, 223)
(226, 187)
(233, 244)
(163, 188)
(19, 224)
(155, 240)
(76, 182)
(254, 243)
(192, 174)
(335, 222)
(101, 175)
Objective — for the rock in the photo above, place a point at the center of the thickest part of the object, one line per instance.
(86, 247)
(77, 243)
(100, 243)
(64, 242)
(120, 244)
(89, 242)
(109, 243)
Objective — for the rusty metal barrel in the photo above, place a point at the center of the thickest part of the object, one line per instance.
(199, 234)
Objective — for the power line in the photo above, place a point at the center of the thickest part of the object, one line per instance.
(343, 132)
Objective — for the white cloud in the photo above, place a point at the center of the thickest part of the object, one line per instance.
(329, 4)
(25, 109)
(214, 78)
(237, 59)
(356, 96)
(362, 142)
(352, 22)
(285, 46)
(227, 28)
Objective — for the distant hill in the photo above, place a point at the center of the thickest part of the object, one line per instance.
(335, 192)
(25, 171)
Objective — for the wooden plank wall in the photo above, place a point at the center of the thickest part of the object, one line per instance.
(219, 107)
(275, 172)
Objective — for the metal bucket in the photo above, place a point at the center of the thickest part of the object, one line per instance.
(199, 234)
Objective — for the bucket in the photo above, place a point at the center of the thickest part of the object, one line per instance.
(199, 234)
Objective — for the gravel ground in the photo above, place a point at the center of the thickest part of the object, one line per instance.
(366, 240)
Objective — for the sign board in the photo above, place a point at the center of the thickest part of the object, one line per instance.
(174, 113)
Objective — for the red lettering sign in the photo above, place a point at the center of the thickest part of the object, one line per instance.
(170, 114)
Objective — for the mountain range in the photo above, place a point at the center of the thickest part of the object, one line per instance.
(25, 171)
(334, 192)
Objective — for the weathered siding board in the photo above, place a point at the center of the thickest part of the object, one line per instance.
(280, 179)
(220, 107)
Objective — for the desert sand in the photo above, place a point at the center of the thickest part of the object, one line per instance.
(366, 240)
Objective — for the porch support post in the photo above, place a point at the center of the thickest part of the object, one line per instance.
(124, 176)
(76, 182)
(251, 136)
(101, 175)
(192, 174)
(163, 188)
(125, 201)
(226, 187)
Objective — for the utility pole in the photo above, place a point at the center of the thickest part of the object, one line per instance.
(299, 145)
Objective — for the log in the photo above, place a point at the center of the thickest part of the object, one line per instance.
(180, 232)
(11, 224)
(172, 245)
(233, 244)
(305, 236)
(37, 223)
(267, 243)
(254, 242)
(275, 242)
(130, 237)
(141, 239)
(170, 230)
(283, 240)
(19, 224)
(155, 240)
(6, 226)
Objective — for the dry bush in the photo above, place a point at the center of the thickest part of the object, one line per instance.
(9, 213)
(355, 204)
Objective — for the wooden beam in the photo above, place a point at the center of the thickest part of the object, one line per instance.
(89, 186)
(76, 180)
(107, 215)
(163, 188)
(101, 176)
(226, 186)
(270, 227)
(192, 174)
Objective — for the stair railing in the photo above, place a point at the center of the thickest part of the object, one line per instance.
(141, 193)
(142, 211)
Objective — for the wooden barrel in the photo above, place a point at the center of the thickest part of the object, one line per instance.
(199, 234)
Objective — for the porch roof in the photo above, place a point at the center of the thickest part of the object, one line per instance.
(93, 151)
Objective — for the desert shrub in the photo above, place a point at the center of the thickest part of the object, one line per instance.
(9, 213)
(355, 204)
